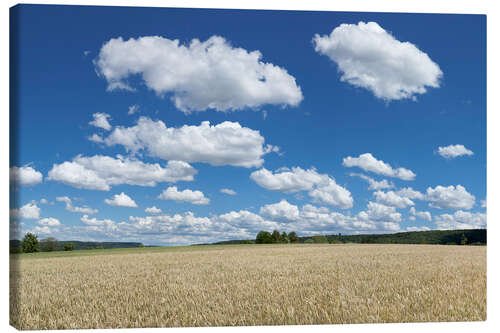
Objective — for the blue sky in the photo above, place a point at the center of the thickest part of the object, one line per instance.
(297, 131)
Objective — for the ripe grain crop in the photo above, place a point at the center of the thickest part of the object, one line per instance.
(250, 285)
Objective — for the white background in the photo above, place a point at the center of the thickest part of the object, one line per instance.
(418, 6)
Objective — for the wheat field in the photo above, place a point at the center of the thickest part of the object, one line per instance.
(249, 285)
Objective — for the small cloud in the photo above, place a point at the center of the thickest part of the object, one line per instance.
(369, 163)
(101, 121)
(153, 210)
(121, 200)
(453, 151)
(194, 197)
(74, 209)
(86, 53)
(49, 222)
(96, 138)
(133, 109)
(228, 191)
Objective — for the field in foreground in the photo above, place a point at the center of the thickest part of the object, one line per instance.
(249, 285)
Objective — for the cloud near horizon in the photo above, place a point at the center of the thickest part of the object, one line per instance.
(321, 188)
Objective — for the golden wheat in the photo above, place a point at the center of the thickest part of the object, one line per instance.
(251, 285)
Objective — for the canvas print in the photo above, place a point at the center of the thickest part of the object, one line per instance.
(181, 167)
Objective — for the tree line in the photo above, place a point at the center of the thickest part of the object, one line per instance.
(30, 244)
(443, 237)
(265, 237)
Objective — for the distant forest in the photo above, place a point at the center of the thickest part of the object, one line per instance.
(15, 245)
(443, 237)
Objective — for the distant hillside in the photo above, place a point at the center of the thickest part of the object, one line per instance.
(444, 237)
(16, 244)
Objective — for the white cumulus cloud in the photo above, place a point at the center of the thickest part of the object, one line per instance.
(392, 199)
(374, 184)
(282, 211)
(28, 211)
(379, 212)
(94, 222)
(49, 222)
(42, 230)
(331, 193)
(227, 143)
(369, 163)
(101, 121)
(423, 215)
(369, 57)
(450, 197)
(100, 172)
(453, 151)
(199, 76)
(153, 210)
(288, 181)
(25, 176)
(194, 197)
(410, 193)
(461, 220)
(121, 200)
(322, 188)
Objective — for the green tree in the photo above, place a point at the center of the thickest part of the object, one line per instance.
(463, 240)
(293, 237)
(320, 239)
(308, 241)
(30, 243)
(276, 236)
(284, 238)
(263, 237)
(69, 247)
(48, 244)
